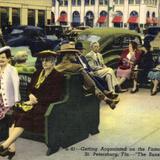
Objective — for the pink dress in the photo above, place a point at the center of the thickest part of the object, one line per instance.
(3, 109)
(125, 68)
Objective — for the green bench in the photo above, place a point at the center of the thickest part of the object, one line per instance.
(67, 121)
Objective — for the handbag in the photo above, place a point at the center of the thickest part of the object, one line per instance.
(22, 106)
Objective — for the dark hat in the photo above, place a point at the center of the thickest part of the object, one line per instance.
(79, 46)
(6, 50)
(47, 53)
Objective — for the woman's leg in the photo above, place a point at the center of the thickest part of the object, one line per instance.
(12, 147)
(134, 84)
(14, 133)
(122, 80)
(155, 85)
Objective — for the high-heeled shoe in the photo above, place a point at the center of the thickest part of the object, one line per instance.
(2, 149)
(135, 90)
(153, 93)
(8, 153)
(111, 103)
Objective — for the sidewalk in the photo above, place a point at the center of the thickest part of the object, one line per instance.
(134, 124)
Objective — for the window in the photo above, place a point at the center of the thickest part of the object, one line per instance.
(65, 2)
(78, 2)
(89, 38)
(121, 2)
(4, 16)
(53, 2)
(15, 16)
(117, 42)
(73, 2)
(106, 2)
(137, 1)
(116, 1)
(41, 18)
(31, 17)
(92, 2)
(131, 2)
(148, 14)
(100, 2)
(125, 41)
(86, 2)
(103, 2)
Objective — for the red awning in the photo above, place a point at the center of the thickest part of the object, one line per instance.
(102, 19)
(117, 19)
(133, 19)
(149, 21)
(62, 18)
(154, 20)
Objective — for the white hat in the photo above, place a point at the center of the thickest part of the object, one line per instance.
(6, 48)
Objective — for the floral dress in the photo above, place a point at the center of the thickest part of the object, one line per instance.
(3, 109)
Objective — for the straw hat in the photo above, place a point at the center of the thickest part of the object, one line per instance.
(47, 53)
(68, 48)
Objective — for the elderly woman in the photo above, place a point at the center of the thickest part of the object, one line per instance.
(128, 60)
(9, 85)
(44, 89)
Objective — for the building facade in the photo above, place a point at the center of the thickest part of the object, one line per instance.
(25, 12)
(118, 13)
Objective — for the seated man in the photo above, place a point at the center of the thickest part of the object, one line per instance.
(95, 61)
(70, 62)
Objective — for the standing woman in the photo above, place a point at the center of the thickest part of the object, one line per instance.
(9, 85)
(129, 58)
(45, 88)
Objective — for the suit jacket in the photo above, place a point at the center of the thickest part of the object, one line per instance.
(95, 60)
(10, 86)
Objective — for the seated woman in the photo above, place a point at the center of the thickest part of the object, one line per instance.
(144, 66)
(154, 75)
(129, 59)
(70, 62)
(45, 88)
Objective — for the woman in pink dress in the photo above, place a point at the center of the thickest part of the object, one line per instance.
(128, 61)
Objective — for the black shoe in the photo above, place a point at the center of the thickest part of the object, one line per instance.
(153, 93)
(134, 91)
(111, 103)
(120, 90)
(94, 132)
(2, 149)
(116, 101)
(114, 95)
(8, 153)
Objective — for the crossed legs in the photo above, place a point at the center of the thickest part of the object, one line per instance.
(14, 133)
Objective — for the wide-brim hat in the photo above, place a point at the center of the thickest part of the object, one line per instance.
(47, 53)
(68, 48)
(5, 49)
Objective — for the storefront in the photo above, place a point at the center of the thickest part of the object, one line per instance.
(30, 12)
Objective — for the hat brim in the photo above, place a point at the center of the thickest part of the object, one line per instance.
(47, 54)
(5, 48)
(68, 51)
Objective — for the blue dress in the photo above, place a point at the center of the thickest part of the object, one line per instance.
(155, 74)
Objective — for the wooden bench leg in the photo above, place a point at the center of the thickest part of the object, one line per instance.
(52, 150)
